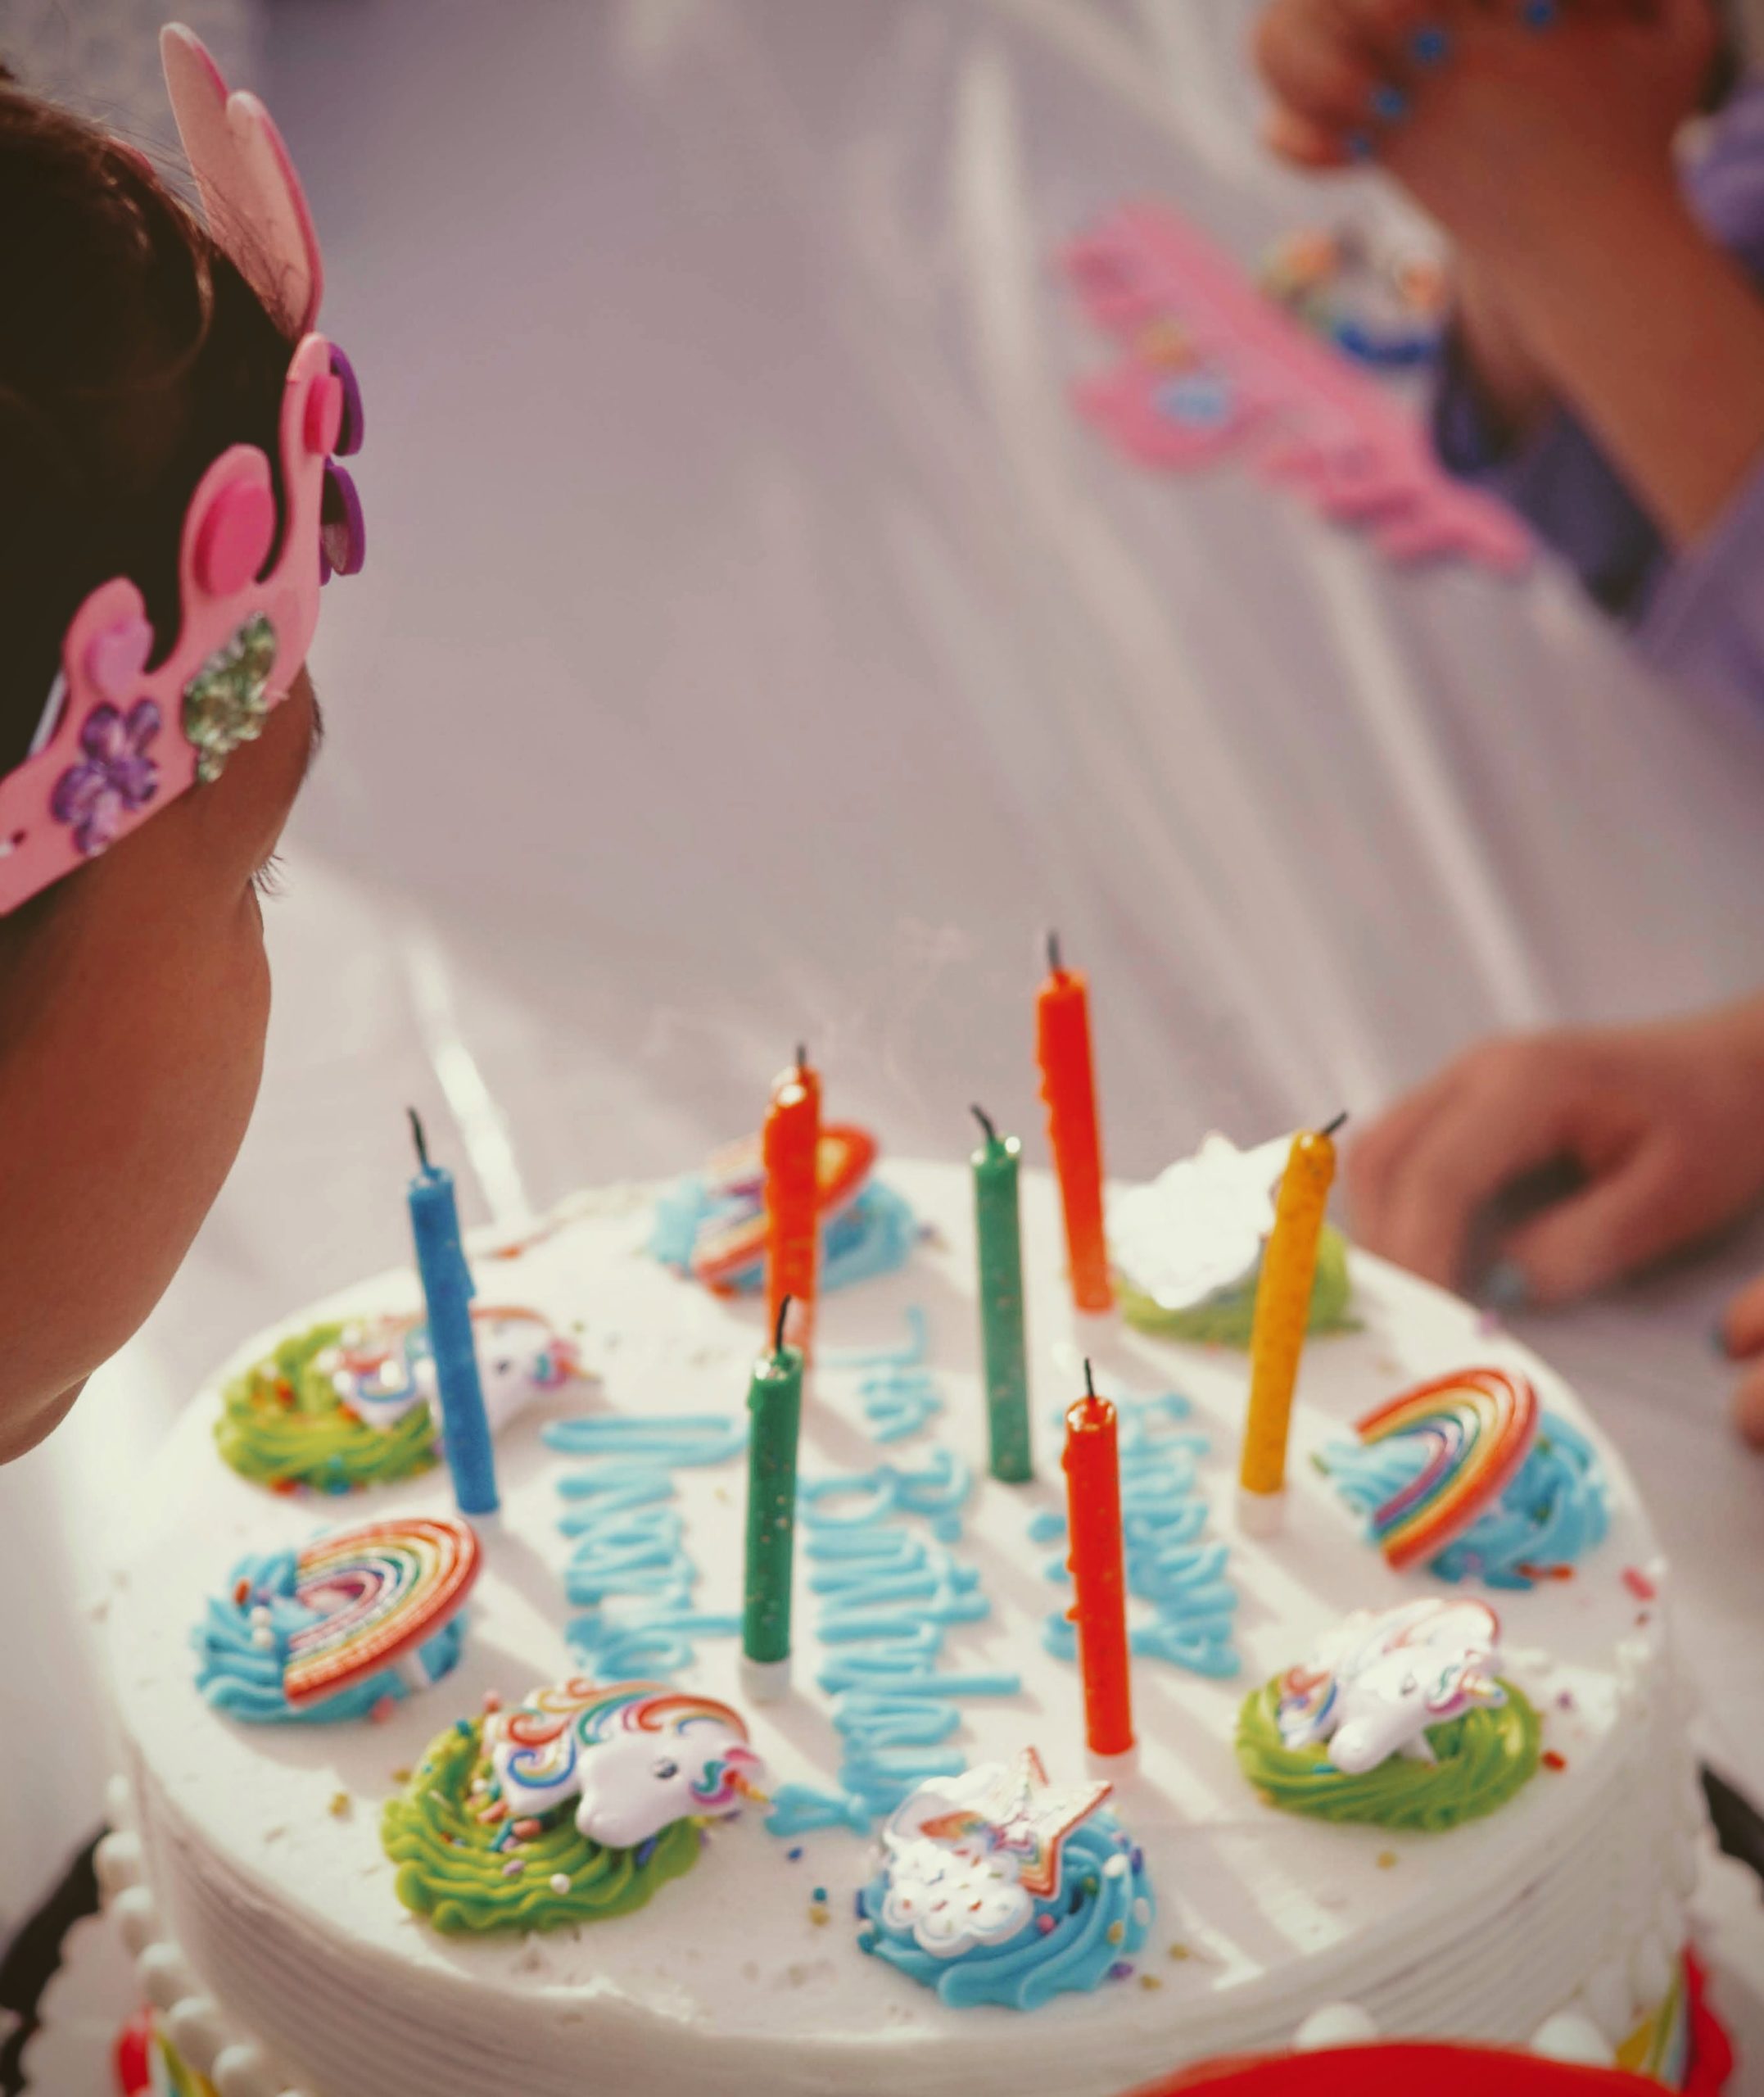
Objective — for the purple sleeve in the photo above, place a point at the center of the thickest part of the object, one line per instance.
(1563, 484)
(1560, 482)
(1706, 620)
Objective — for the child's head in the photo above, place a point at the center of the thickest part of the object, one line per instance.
(134, 991)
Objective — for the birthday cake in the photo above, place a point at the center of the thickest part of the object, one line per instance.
(1413, 1764)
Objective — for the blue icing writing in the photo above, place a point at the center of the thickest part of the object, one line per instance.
(1089, 1931)
(242, 1652)
(1552, 1512)
(899, 1401)
(911, 1356)
(898, 1392)
(886, 1600)
(871, 1236)
(800, 1809)
(1183, 1579)
(629, 1570)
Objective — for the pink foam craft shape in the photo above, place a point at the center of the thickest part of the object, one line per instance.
(117, 657)
(1302, 414)
(251, 195)
(129, 727)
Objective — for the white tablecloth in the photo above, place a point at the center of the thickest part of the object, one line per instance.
(753, 646)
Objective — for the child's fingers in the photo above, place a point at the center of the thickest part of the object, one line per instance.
(1400, 38)
(1302, 142)
(1620, 1221)
(1749, 1408)
(1743, 1322)
(1314, 70)
(1377, 1152)
(1542, 15)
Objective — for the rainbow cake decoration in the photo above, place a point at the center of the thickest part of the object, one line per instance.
(344, 1405)
(1469, 1476)
(1400, 1718)
(712, 1225)
(575, 1806)
(343, 1627)
(996, 1886)
(1477, 1425)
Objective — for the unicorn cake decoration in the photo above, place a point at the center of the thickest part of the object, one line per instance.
(1402, 1717)
(1379, 1681)
(635, 1758)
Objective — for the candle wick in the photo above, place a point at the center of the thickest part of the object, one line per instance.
(419, 1138)
(1339, 1122)
(985, 1121)
(1054, 962)
(783, 1312)
(1090, 1385)
(801, 1056)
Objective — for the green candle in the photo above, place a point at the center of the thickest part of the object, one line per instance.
(775, 1399)
(1001, 1249)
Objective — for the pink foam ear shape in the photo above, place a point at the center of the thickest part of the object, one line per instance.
(251, 194)
(235, 537)
(325, 415)
(116, 656)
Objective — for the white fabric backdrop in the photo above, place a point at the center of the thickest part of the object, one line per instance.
(753, 647)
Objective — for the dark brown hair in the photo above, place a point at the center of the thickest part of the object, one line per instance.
(132, 353)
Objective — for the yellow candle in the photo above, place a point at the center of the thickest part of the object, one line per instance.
(1283, 1314)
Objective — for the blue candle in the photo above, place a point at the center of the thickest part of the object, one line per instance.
(448, 1289)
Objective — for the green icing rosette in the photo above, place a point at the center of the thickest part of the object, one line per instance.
(283, 1425)
(469, 1875)
(1225, 1320)
(1484, 1759)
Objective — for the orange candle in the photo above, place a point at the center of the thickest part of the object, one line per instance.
(790, 1146)
(1283, 1317)
(1069, 1086)
(1099, 1574)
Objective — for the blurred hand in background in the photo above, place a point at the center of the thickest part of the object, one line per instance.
(1663, 1124)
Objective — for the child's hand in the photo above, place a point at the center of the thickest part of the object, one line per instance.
(1488, 120)
(1667, 1122)
(1743, 1335)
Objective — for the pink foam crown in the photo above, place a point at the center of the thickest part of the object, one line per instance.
(130, 724)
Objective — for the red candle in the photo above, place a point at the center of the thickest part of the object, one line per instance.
(1099, 1574)
(791, 1148)
(1069, 1086)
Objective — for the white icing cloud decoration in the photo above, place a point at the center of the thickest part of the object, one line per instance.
(1378, 1681)
(1198, 1229)
(969, 1856)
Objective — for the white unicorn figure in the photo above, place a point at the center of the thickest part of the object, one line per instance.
(382, 1368)
(1381, 1680)
(637, 1756)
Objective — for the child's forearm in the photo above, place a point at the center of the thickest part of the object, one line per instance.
(1505, 373)
(1652, 333)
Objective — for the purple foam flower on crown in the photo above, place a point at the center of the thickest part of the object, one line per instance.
(115, 777)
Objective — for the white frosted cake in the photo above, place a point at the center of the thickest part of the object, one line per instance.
(296, 1935)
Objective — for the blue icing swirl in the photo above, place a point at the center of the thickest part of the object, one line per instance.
(243, 1678)
(1097, 1922)
(1553, 1513)
(871, 1236)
